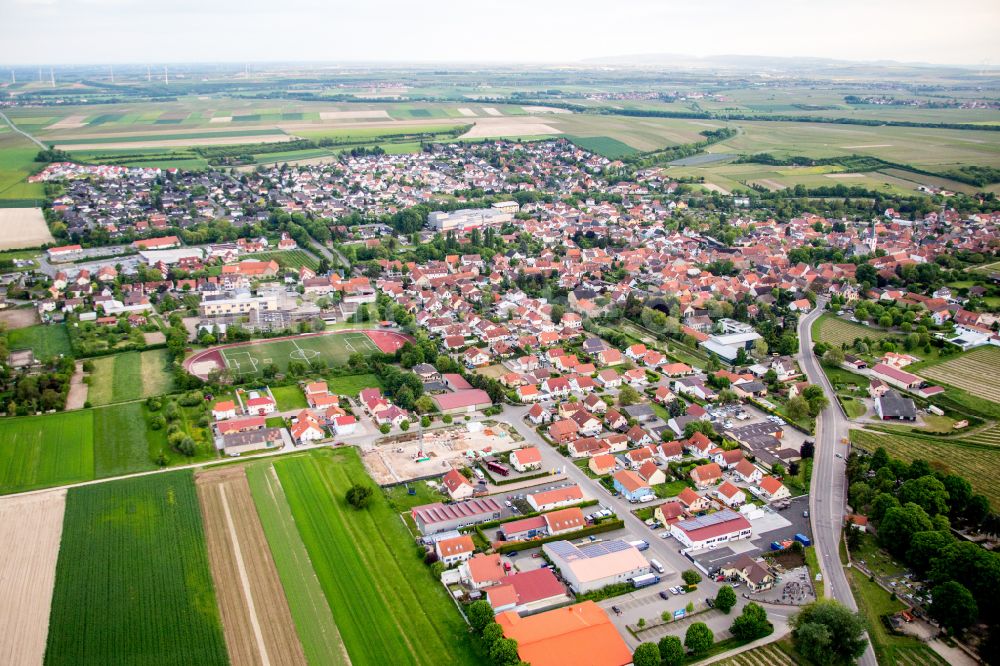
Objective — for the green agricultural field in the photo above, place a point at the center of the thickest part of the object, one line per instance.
(123, 443)
(334, 349)
(976, 462)
(352, 384)
(42, 451)
(643, 134)
(167, 135)
(976, 372)
(314, 623)
(604, 145)
(133, 584)
(934, 149)
(129, 376)
(402, 604)
(46, 340)
(17, 162)
(837, 331)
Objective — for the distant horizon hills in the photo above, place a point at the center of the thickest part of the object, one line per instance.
(728, 62)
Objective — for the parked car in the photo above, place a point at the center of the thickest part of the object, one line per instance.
(617, 611)
(710, 602)
(664, 594)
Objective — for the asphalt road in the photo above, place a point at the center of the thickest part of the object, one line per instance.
(827, 495)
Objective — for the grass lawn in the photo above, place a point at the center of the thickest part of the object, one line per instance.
(310, 611)
(41, 451)
(122, 441)
(44, 339)
(289, 397)
(401, 501)
(352, 384)
(876, 560)
(873, 603)
(854, 408)
(813, 564)
(132, 582)
(402, 605)
(129, 376)
(670, 489)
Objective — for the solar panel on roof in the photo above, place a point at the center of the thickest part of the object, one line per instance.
(707, 521)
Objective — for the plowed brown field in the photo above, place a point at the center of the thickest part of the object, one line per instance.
(255, 618)
(30, 528)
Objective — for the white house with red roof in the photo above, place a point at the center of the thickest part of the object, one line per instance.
(457, 486)
(344, 425)
(455, 550)
(260, 404)
(771, 489)
(307, 427)
(731, 495)
(224, 409)
(525, 459)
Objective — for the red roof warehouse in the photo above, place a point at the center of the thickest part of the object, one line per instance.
(468, 400)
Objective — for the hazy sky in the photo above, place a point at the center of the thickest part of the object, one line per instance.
(99, 31)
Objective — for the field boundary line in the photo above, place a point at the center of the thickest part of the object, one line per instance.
(244, 578)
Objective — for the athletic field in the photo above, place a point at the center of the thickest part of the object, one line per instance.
(333, 348)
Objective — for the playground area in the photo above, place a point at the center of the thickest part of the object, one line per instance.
(412, 456)
(334, 348)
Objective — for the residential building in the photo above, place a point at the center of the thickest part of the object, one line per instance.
(455, 550)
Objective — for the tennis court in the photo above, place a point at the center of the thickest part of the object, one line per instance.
(333, 348)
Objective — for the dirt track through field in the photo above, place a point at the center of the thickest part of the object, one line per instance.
(30, 529)
(256, 620)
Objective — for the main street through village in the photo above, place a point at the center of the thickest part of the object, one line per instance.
(828, 489)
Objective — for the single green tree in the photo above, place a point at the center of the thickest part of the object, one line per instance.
(699, 638)
(751, 623)
(359, 496)
(480, 614)
(503, 652)
(725, 599)
(691, 577)
(672, 651)
(647, 654)
(953, 607)
(826, 631)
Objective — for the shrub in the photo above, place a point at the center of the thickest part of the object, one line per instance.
(359, 496)
(691, 577)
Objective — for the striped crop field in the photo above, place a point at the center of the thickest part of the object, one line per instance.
(990, 435)
(836, 331)
(977, 372)
(133, 584)
(765, 655)
(978, 463)
(365, 564)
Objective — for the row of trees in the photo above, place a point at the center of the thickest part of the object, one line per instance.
(750, 624)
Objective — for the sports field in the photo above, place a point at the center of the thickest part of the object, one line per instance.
(977, 372)
(332, 348)
(402, 604)
(132, 583)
